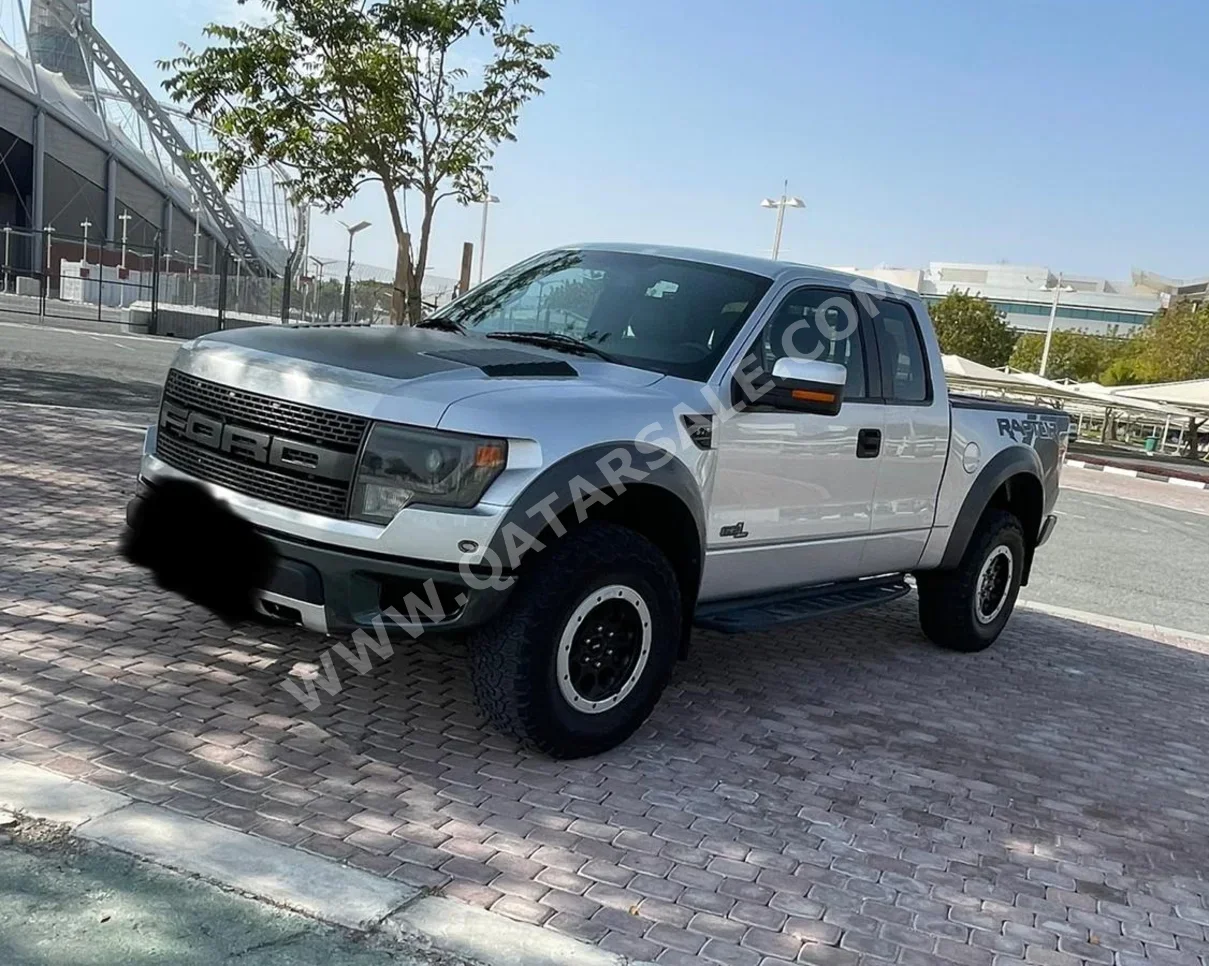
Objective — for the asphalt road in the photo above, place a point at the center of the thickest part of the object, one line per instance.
(64, 367)
(1127, 558)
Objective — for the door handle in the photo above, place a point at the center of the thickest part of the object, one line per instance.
(868, 444)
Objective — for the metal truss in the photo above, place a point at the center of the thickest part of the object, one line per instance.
(163, 130)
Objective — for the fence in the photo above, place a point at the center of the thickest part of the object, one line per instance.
(75, 277)
(61, 276)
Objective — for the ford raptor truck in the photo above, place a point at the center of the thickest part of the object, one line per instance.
(582, 458)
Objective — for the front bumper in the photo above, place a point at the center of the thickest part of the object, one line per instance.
(334, 590)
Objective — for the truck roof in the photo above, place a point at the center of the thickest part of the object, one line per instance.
(778, 270)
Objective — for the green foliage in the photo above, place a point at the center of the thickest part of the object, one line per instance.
(1072, 355)
(969, 326)
(323, 301)
(1174, 346)
(1122, 371)
(343, 92)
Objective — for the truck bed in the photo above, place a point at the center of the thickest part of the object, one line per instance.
(960, 401)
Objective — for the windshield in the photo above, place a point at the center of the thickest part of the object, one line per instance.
(676, 317)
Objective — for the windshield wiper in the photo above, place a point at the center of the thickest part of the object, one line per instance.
(553, 340)
(445, 325)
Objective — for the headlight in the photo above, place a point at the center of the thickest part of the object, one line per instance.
(402, 465)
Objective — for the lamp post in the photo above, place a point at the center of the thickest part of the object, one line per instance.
(1053, 315)
(348, 273)
(196, 243)
(8, 241)
(785, 201)
(124, 218)
(320, 265)
(488, 201)
(50, 231)
(84, 226)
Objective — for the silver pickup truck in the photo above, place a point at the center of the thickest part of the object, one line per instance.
(580, 459)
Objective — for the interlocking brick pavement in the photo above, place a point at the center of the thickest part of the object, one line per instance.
(837, 792)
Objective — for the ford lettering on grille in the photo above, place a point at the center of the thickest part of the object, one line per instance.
(285, 452)
(255, 446)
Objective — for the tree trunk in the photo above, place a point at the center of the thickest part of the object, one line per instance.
(415, 306)
(400, 287)
(402, 283)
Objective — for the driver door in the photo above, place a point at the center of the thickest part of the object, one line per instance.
(792, 500)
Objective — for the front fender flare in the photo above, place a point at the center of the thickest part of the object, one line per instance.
(552, 488)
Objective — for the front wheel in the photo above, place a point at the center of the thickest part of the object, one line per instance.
(966, 609)
(585, 646)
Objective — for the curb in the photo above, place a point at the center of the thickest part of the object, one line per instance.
(1140, 628)
(309, 884)
(1137, 474)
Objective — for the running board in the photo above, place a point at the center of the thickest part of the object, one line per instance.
(740, 615)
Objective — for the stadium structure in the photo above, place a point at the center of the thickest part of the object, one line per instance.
(89, 154)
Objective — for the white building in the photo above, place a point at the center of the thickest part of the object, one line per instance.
(1025, 294)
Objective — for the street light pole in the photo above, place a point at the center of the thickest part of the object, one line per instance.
(50, 231)
(124, 218)
(488, 201)
(320, 265)
(348, 274)
(776, 238)
(196, 234)
(348, 281)
(785, 201)
(196, 243)
(1049, 332)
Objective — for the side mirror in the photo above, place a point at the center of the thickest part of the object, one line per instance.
(806, 386)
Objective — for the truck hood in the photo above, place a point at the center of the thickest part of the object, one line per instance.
(400, 374)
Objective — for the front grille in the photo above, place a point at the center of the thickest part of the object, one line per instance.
(281, 485)
(309, 423)
(328, 499)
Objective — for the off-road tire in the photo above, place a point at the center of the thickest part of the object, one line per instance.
(948, 599)
(513, 658)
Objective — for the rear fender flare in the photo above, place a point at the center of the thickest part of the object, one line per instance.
(1014, 461)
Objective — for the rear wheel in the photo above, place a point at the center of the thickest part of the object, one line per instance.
(587, 643)
(966, 609)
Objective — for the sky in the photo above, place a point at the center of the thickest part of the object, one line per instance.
(1068, 133)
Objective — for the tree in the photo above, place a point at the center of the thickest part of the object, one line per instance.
(371, 300)
(574, 299)
(345, 92)
(1124, 368)
(969, 326)
(1073, 355)
(1175, 345)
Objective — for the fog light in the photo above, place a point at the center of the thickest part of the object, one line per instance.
(383, 501)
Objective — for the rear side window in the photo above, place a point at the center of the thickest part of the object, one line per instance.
(904, 364)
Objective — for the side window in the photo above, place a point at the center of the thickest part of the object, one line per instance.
(904, 364)
(817, 324)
